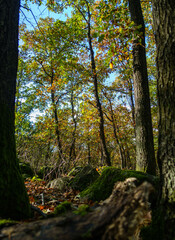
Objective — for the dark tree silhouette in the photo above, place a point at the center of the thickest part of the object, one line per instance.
(13, 197)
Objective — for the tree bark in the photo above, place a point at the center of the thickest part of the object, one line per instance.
(14, 201)
(96, 93)
(72, 153)
(116, 130)
(89, 152)
(132, 102)
(145, 156)
(119, 217)
(164, 28)
(57, 131)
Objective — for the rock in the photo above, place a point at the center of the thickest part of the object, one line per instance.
(102, 187)
(60, 183)
(84, 178)
(26, 170)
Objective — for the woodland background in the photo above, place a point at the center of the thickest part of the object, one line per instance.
(55, 79)
(91, 78)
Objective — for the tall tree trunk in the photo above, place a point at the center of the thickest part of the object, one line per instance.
(89, 153)
(57, 131)
(132, 102)
(164, 28)
(72, 154)
(145, 156)
(98, 103)
(14, 201)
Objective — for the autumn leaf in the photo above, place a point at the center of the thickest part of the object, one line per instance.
(111, 65)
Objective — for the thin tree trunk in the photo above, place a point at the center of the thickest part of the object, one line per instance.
(89, 152)
(145, 156)
(48, 151)
(72, 154)
(57, 131)
(164, 20)
(132, 102)
(98, 103)
(14, 201)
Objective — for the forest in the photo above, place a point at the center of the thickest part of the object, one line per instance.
(56, 62)
(87, 97)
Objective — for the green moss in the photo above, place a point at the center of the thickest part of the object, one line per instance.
(82, 210)
(6, 223)
(63, 208)
(103, 186)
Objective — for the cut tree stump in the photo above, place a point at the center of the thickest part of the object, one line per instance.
(118, 218)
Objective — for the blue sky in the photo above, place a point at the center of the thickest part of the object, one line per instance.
(39, 12)
(30, 18)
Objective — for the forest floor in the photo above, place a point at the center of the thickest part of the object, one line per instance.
(46, 199)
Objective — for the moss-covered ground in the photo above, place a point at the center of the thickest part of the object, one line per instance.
(63, 208)
(103, 186)
(6, 223)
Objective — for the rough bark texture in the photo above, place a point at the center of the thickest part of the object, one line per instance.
(145, 157)
(13, 197)
(164, 28)
(118, 218)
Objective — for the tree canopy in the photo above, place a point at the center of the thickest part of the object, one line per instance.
(77, 72)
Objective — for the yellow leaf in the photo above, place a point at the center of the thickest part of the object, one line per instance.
(120, 29)
(111, 65)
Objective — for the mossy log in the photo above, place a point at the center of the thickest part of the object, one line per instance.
(117, 218)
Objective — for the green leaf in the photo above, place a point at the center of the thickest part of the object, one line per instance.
(101, 38)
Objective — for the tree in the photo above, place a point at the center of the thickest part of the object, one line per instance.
(164, 15)
(13, 197)
(145, 157)
(121, 139)
(116, 33)
(84, 9)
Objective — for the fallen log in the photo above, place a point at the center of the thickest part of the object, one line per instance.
(117, 218)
